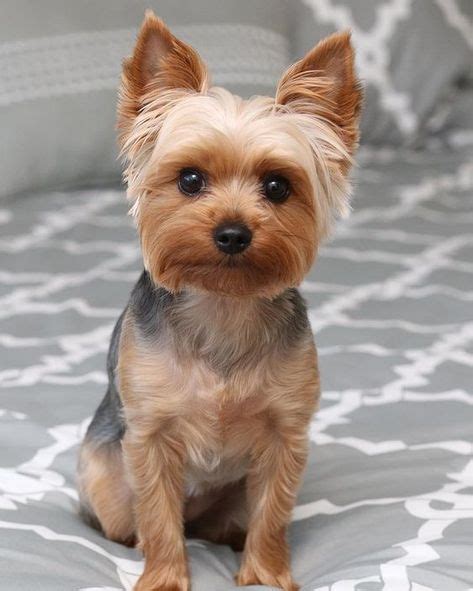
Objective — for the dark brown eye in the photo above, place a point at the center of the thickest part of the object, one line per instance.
(191, 182)
(276, 188)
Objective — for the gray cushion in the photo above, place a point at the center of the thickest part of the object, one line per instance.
(60, 66)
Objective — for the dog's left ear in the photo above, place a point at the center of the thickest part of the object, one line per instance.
(324, 84)
(160, 62)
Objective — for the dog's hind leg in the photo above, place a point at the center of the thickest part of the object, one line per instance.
(105, 495)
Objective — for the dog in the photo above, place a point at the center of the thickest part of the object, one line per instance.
(212, 366)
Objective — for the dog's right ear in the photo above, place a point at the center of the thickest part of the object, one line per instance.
(159, 62)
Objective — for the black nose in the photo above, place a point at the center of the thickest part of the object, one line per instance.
(232, 238)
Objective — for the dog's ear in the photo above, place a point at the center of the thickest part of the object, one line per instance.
(159, 62)
(324, 84)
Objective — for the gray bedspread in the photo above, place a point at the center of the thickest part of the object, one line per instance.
(387, 501)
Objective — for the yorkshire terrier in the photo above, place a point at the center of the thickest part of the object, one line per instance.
(212, 367)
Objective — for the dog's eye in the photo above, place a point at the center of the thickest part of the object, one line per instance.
(276, 188)
(191, 181)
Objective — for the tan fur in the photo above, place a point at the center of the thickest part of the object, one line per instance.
(323, 84)
(256, 421)
(104, 485)
(160, 61)
(216, 413)
(173, 251)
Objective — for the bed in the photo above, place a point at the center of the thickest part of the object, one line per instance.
(387, 499)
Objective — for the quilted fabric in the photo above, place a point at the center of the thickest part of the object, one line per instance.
(387, 501)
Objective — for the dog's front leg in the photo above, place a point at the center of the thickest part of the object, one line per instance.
(155, 462)
(272, 486)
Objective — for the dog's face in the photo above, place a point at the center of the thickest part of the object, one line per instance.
(234, 196)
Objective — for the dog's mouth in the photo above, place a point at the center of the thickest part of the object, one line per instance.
(255, 272)
(234, 275)
(239, 261)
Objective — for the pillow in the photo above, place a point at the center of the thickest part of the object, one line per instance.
(410, 55)
(451, 125)
(60, 64)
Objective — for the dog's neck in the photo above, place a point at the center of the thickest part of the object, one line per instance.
(234, 333)
(226, 332)
(231, 316)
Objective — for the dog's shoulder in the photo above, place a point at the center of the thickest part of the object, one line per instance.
(147, 306)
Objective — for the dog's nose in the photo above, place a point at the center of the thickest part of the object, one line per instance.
(232, 238)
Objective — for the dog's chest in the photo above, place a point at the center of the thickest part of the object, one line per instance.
(215, 408)
(220, 432)
(216, 418)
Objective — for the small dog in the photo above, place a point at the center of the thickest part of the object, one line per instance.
(212, 365)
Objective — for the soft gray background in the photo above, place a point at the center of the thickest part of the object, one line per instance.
(60, 64)
(387, 502)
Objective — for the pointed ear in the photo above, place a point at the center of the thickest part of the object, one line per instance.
(324, 84)
(159, 62)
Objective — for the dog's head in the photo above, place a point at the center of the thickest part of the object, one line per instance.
(234, 196)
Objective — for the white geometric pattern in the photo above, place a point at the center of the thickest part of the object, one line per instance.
(390, 480)
(380, 61)
(373, 57)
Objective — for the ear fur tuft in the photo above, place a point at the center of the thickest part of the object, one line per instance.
(160, 62)
(323, 83)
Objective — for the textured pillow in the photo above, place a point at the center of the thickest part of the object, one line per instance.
(451, 125)
(410, 54)
(60, 65)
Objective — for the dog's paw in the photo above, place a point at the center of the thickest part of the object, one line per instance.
(250, 576)
(152, 583)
